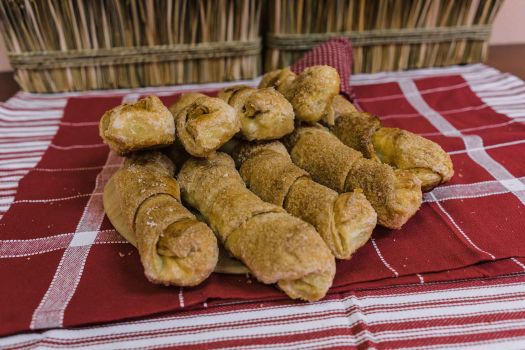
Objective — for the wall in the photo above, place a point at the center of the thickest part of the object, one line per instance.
(509, 28)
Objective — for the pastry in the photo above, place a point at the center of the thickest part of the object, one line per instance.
(394, 194)
(204, 123)
(396, 147)
(344, 221)
(342, 106)
(264, 113)
(422, 157)
(174, 248)
(142, 125)
(275, 246)
(311, 93)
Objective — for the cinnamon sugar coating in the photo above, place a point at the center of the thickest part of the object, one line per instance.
(396, 147)
(174, 248)
(344, 221)
(275, 246)
(311, 93)
(395, 195)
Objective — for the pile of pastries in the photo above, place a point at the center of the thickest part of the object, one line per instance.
(287, 177)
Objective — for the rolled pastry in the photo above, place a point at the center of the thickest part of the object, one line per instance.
(394, 194)
(422, 157)
(275, 246)
(399, 148)
(264, 113)
(311, 93)
(342, 106)
(204, 123)
(344, 221)
(174, 248)
(142, 125)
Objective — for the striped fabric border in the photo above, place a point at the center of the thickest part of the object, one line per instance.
(436, 315)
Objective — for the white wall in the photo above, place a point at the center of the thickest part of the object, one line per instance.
(509, 25)
(509, 28)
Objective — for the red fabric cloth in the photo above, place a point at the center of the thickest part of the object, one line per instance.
(64, 265)
(336, 53)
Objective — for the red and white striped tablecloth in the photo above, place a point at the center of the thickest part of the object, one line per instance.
(481, 312)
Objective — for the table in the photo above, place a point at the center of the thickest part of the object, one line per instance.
(482, 312)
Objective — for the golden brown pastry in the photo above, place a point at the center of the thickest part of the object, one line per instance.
(280, 79)
(204, 123)
(342, 106)
(399, 148)
(394, 194)
(344, 221)
(174, 248)
(264, 113)
(356, 130)
(422, 157)
(311, 93)
(275, 246)
(142, 125)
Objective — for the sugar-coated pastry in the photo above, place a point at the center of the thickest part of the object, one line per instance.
(344, 221)
(394, 194)
(204, 123)
(396, 147)
(422, 157)
(356, 130)
(280, 79)
(142, 125)
(342, 106)
(276, 246)
(174, 247)
(311, 93)
(264, 113)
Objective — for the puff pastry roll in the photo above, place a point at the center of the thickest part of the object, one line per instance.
(311, 93)
(344, 221)
(394, 194)
(342, 106)
(174, 248)
(204, 123)
(276, 246)
(142, 125)
(422, 157)
(264, 113)
(396, 147)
